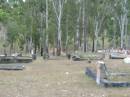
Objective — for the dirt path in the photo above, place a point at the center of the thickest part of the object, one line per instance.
(54, 78)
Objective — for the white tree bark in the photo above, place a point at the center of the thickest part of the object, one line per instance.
(97, 27)
(67, 34)
(98, 21)
(58, 8)
(84, 28)
(123, 22)
(77, 40)
(46, 41)
(126, 31)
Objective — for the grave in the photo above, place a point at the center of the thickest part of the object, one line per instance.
(117, 55)
(15, 59)
(11, 67)
(105, 78)
(87, 56)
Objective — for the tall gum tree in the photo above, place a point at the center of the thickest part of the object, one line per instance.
(58, 9)
(101, 8)
(123, 23)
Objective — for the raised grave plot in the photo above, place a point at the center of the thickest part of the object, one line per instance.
(12, 59)
(87, 56)
(11, 67)
(104, 77)
(117, 56)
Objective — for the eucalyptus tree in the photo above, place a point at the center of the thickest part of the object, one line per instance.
(77, 37)
(46, 38)
(32, 23)
(45, 21)
(85, 24)
(122, 18)
(34, 17)
(99, 10)
(13, 23)
(81, 27)
(58, 9)
(69, 25)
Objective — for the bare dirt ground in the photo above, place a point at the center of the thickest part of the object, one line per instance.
(55, 78)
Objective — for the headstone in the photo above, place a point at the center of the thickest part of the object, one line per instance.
(33, 55)
(100, 72)
(127, 60)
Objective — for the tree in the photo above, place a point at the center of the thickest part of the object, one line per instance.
(65, 24)
(58, 8)
(123, 22)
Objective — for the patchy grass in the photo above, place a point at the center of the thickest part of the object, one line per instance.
(56, 78)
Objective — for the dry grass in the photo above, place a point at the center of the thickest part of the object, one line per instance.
(55, 78)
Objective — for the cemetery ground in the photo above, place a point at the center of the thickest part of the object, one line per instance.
(57, 78)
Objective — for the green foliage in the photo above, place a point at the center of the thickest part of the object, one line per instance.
(24, 21)
(3, 15)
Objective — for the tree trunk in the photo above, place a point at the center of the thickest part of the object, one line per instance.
(84, 29)
(103, 42)
(77, 39)
(67, 36)
(93, 44)
(42, 33)
(126, 33)
(47, 51)
(59, 39)
(58, 8)
(123, 23)
(11, 48)
(41, 51)
(35, 48)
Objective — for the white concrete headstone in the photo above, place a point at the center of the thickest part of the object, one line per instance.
(127, 60)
